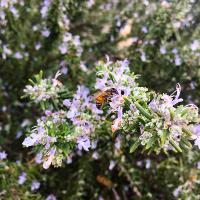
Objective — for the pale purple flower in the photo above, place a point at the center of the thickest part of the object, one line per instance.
(139, 163)
(132, 107)
(177, 191)
(83, 66)
(73, 112)
(4, 3)
(26, 122)
(95, 155)
(3, 155)
(30, 141)
(193, 85)
(177, 24)
(163, 50)
(135, 14)
(56, 118)
(116, 102)
(198, 165)
(170, 101)
(63, 48)
(40, 130)
(118, 142)
(117, 123)
(69, 159)
(176, 132)
(22, 178)
(38, 45)
(18, 134)
(101, 82)
(152, 42)
(38, 158)
(148, 164)
(124, 65)
(94, 144)
(95, 109)
(108, 61)
(83, 143)
(146, 2)
(196, 130)
(35, 185)
(14, 11)
(51, 197)
(144, 29)
(45, 8)
(90, 3)
(47, 112)
(135, 39)
(178, 60)
(67, 103)
(76, 41)
(196, 135)
(38, 135)
(67, 37)
(195, 45)
(143, 56)
(48, 162)
(174, 51)
(6, 51)
(153, 105)
(4, 109)
(64, 70)
(45, 32)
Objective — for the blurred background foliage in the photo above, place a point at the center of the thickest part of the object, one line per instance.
(161, 41)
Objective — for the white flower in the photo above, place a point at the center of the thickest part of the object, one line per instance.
(112, 165)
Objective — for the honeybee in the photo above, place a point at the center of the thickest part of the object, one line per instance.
(105, 96)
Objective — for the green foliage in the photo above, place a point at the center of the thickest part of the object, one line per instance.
(161, 41)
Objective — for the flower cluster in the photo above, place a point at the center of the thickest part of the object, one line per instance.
(162, 124)
(70, 41)
(173, 124)
(118, 76)
(57, 133)
(44, 89)
(149, 119)
(81, 118)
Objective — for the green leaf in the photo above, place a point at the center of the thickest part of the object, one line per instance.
(135, 145)
(163, 138)
(151, 142)
(186, 143)
(143, 111)
(175, 145)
